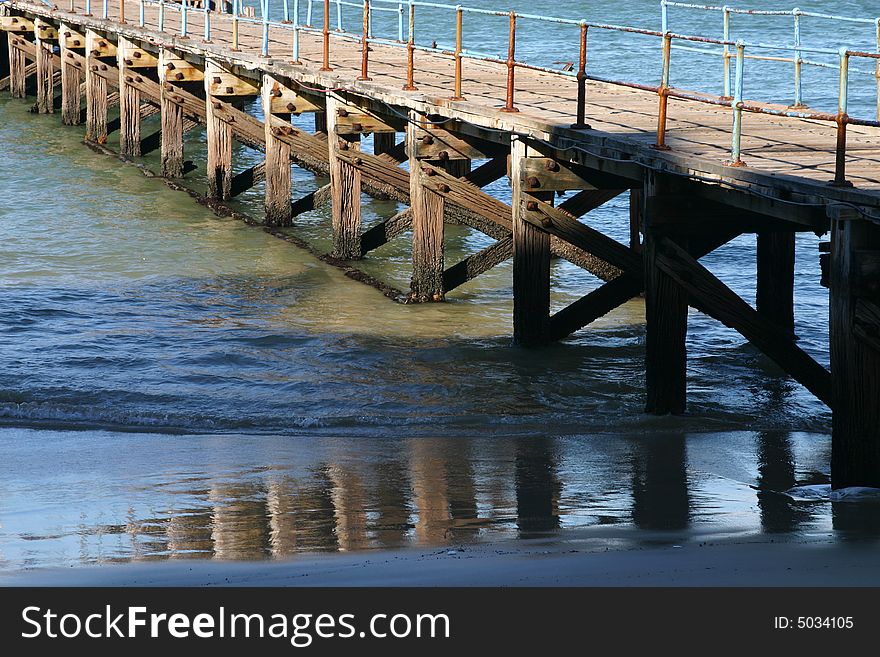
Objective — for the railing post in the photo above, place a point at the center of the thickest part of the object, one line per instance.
(581, 124)
(877, 67)
(236, 10)
(410, 51)
(365, 44)
(664, 17)
(736, 104)
(458, 39)
(207, 20)
(183, 17)
(88, 8)
(511, 65)
(400, 22)
(726, 50)
(798, 96)
(122, 11)
(141, 17)
(296, 32)
(339, 16)
(309, 14)
(264, 9)
(161, 15)
(663, 93)
(840, 152)
(286, 18)
(326, 66)
(105, 10)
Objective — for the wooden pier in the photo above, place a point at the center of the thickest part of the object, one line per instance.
(789, 171)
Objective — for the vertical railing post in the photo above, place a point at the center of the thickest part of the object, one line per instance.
(581, 124)
(725, 36)
(236, 10)
(664, 17)
(208, 19)
(264, 8)
(842, 117)
(400, 22)
(122, 11)
(365, 44)
(459, 13)
(326, 66)
(105, 9)
(410, 51)
(736, 104)
(286, 18)
(161, 15)
(183, 17)
(141, 10)
(877, 67)
(798, 60)
(511, 65)
(296, 32)
(309, 14)
(88, 8)
(663, 93)
(339, 16)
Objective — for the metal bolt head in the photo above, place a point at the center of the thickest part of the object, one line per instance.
(532, 181)
(291, 107)
(443, 187)
(427, 140)
(179, 76)
(217, 79)
(230, 90)
(545, 222)
(551, 165)
(532, 206)
(342, 112)
(357, 127)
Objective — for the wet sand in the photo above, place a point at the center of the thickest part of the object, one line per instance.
(742, 561)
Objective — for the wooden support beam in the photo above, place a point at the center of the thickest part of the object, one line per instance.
(46, 35)
(4, 59)
(136, 57)
(16, 24)
(153, 141)
(221, 82)
(176, 70)
(129, 101)
(17, 66)
(351, 120)
(774, 297)
(345, 181)
(311, 201)
(636, 205)
(385, 231)
(478, 263)
(531, 261)
(666, 309)
(436, 143)
(279, 211)
(241, 182)
(219, 141)
(855, 352)
(71, 76)
(428, 209)
(172, 124)
(96, 89)
(383, 142)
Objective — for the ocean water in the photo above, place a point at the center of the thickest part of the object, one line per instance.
(174, 384)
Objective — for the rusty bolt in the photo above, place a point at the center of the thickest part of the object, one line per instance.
(103, 67)
(102, 44)
(427, 140)
(95, 67)
(275, 93)
(443, 187)
(169, 86)
(545, 222)
(96, 53)
(357, 127)
(291, 107)
(443, 155)
(532, 181)
(127, 62)
(76, 43)
(128, 78)
(179, 76)
(343, 145)
(138, 78)
(170, 66)
(532, 206)
(358, 161)
(136, 54)
(277, 131)
(14, 20)
(230, 90)
(551, 165)
(217, 79)
(67, 35)
(429, 171)
(216, 105)
(342, 112)
(70, 55)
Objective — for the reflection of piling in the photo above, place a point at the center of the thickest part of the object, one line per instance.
(349, 502)
(660, 484)
(537, 486)
(430, 491)
(776, 473)
(239, 521)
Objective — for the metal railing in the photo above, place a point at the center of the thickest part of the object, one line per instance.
(288, 16)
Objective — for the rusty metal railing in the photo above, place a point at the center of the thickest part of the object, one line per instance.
(735, 52)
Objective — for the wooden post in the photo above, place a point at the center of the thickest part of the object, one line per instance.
(4, 48)
(45, 71)
(531, 262)
(428, 209)
(458, 168)
(96, 93)
(666, 308)
(17, 65)
(172, 124)
(279, 211)
(775, 287)
(219, 142)
(71, 79)
(855, 349)
(636, 207)
(383, 142)
(129, 103)
(321, 122)
(345, 188)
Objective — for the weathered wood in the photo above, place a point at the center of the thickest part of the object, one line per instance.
(172, 126)
(226, 83)
(219, 133)
(17, 66)
(321, 122)
(855, 362)
(241, 182)
(129, 102)
(352, 121)
(478, 263)
(666, 309)
(345, 182)
(279, 211)
(636, 205)
(176, 70)
(384, 142)
(311, 201)
(71, 78)
(385, 231)
(45, 74)
(427, 207)
(774, 297)
(96, 91)
(531, 261)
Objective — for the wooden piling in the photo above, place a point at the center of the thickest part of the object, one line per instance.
(345, 187)
(96, 93)
(71, 80)
(45, 71)
(774, 297)
(531, 262)
(129, 102)
(428, 208)
(279, 211)
(855, 349)
(17, 65)
(172, 124)
(666, 309)
(219, 135)
(383, 142)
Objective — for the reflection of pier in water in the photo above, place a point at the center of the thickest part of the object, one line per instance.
(431, 492)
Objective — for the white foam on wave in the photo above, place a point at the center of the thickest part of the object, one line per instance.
(824, 493)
